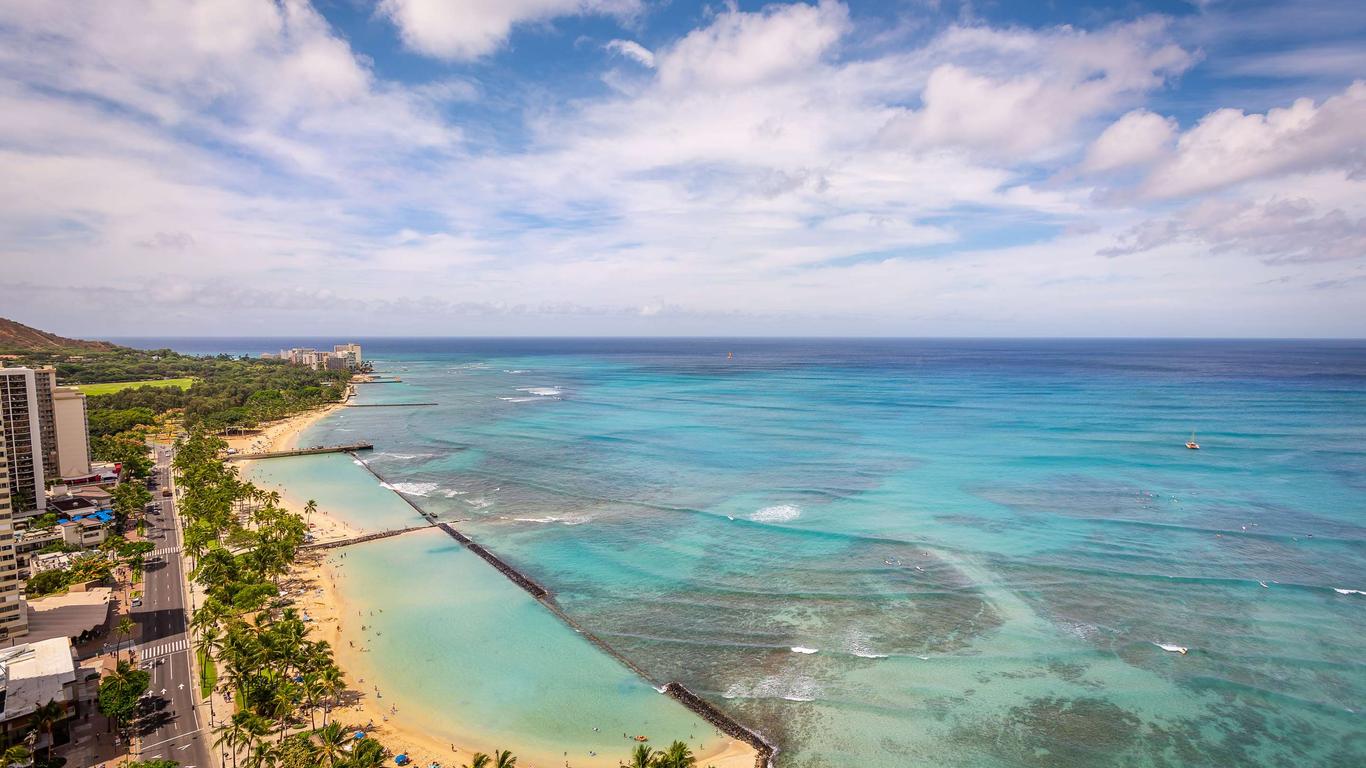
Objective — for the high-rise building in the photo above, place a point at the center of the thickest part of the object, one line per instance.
(73, 432)
(45, 381)
(350, 353)
(13, 611)
(23, 438)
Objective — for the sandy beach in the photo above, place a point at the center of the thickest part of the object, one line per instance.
(317, 585)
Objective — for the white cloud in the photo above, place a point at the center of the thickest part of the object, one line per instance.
(766, 176)
(633, 50)
(1228, 146)
(1139, 138)
(1278, 227)
(739, 49)
(468, 29)
(1023, 94)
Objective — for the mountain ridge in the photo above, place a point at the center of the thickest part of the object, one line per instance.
(17, 337)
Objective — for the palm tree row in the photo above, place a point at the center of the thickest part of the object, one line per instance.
(241, 542)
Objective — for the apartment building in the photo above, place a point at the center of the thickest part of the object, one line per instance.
(13, 612)
(20, 412)
(72, 429)
(45, 383)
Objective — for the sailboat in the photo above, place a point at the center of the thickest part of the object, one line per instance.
(1191, 444)
(730, 355)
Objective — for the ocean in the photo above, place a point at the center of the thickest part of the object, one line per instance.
(969, 553)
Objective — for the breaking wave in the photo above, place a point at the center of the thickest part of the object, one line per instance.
(778, 513)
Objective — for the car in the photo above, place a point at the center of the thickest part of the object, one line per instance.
(137, 601)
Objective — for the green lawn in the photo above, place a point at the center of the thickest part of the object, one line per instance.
(208, 674)
(115, 386)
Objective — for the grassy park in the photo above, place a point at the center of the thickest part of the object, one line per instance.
(110, 387)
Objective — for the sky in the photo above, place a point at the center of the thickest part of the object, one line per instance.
(665, 167)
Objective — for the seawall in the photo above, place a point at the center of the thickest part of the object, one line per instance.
(701, 707)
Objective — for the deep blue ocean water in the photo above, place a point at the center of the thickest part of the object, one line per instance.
(925, 552)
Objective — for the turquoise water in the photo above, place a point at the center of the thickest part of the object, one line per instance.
(941, 553)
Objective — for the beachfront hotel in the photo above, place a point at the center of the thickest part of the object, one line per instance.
(343, 357)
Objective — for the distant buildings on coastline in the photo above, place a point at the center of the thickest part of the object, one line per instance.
(343, 357)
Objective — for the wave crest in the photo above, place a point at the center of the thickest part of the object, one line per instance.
(778, 513)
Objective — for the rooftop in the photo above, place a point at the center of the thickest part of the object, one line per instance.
(33, 674)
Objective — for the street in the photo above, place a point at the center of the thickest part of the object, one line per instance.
(179, 734)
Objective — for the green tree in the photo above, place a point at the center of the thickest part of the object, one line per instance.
(45, 719)
(47, 582)
(642, 756)
(124, 629)
(503, 758)
(678, 755)
(16, 755)
(119, 692)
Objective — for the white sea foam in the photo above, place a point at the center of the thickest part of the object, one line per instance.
(857, 644)
(406, 456)
(412, 489)
(519, 399)
(1349, 591)
(570, 520)
(778, 513)
(789, 687)
(541, 391)
(516, 370)
(451, 493)
(803, 649)
(479, 502)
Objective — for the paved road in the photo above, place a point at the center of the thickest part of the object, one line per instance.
(180, 734)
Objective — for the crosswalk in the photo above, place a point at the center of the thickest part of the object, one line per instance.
(162, 552)
(164, 649)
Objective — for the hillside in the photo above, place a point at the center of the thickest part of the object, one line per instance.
(17, 337)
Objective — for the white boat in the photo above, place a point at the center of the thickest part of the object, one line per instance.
(1191, 444)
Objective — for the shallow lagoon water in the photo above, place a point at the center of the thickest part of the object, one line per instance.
(461, 649)
(983, 542)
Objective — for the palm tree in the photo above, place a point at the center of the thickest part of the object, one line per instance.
(478, 760)
(16, 755)
(503, 758)
(262, 755)
(332, 683)
(642, 757)
(243, 729)
(676, 756)
(367, 754)
(331, 738)
(45, 718)
(124, 627)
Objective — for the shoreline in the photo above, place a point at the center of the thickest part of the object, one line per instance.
(313, 582)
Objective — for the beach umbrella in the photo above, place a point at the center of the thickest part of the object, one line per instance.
(401, 759)
(359, 735)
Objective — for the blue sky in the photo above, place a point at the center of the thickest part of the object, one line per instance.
(543, 167)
